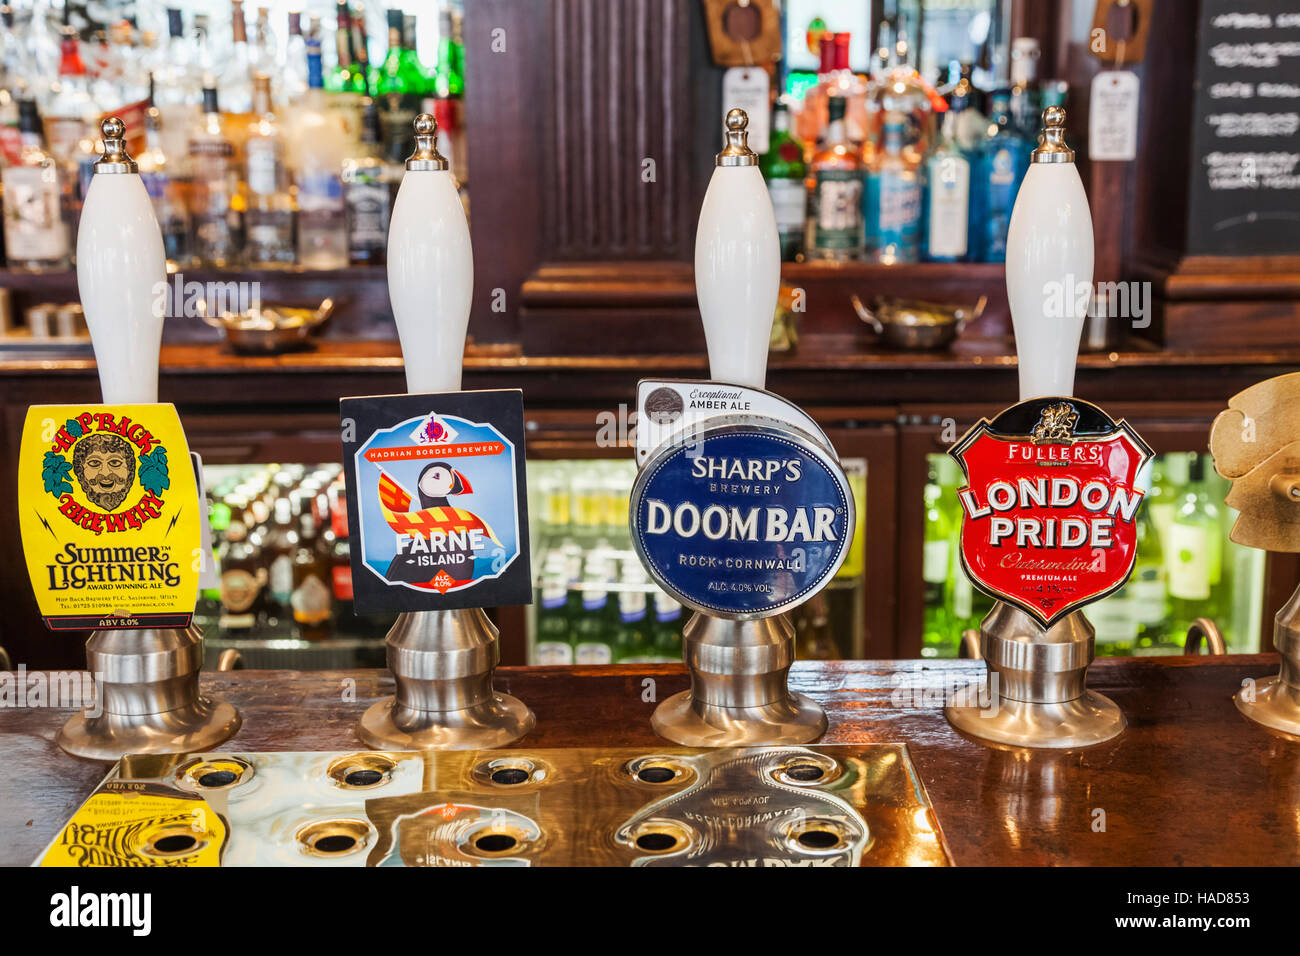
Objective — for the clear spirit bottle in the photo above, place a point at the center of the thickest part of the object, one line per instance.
(269, 215)
(213, 210)
(946, 207)
(321, 147)
(36, 238)
(166, 191)
(897, 231)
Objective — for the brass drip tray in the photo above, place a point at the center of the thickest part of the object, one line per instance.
(853, 805)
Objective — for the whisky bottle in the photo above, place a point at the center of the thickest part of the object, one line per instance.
(835, 204)
(166, 191)
(269, 205)
(36, 239)
(216, 219)
(367, 194)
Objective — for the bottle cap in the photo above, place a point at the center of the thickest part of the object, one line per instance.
(1052, 147)
(737, 151)
(426, 156)
(115, 158)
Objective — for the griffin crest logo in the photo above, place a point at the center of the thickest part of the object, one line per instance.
(1055, 425)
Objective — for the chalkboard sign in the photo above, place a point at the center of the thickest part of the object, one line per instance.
(1245, 180)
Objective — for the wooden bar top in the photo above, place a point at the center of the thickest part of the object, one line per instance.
(1190, 782)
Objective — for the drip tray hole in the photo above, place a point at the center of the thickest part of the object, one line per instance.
(805, 772)
(496, 842)
(218, 778)
(339, 843)
(818, 839)
(178, 843)
(363, 778)
(656, 774)
(656, 842)
(510, 776)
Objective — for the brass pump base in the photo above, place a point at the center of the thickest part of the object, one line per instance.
(1275, 701)
(738, 694)
(147, 683)
(442, 662)
(1039, 678)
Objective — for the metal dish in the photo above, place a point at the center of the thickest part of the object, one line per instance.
(268, 330)
(915, 324)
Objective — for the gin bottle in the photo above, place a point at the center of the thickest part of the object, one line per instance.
(36, 238)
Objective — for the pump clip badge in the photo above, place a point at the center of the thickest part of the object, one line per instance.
(1049, 506)
(436, 501)
(109, 513)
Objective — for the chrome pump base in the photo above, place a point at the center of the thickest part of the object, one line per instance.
(147, 685)
(442, 662)
(1275, 701)
(738, 694)
(1039, 678)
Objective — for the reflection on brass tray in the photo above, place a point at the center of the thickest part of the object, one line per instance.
(850, 805)
(916, 324)
(269, 329)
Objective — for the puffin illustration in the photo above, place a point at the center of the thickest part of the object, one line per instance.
(437, 481)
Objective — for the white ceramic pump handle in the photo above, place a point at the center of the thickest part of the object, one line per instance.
(737, 262)
(122, 275)
(430, 267)
(1049, 264)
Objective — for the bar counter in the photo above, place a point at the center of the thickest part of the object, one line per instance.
(1190, 782)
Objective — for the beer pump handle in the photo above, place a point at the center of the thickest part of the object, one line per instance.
(1049, 264)
(430, 267)
(121, 274)
(737, 262)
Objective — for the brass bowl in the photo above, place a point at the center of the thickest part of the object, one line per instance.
(913, 324)
(271, 329)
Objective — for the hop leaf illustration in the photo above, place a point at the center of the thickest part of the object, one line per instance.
(153, 471)
(54, 471)
(73, 428)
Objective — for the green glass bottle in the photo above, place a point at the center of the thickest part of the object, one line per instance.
(939, 638)
(1194, 557)
(401, 87)
(784, 172)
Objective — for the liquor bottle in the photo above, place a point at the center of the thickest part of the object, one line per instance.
(593, 630)
(632, 640)
(1194, 556)
(449, 95)
(947, 198)
(966, 102)
(177, 94)
(236, 81)
(401, 88)
(668, 628)
(264, 47)
(36, 238)
(269, 212)
(898, 188)
(784, 170)
(940, 635)
(166, 192)
(341, 557)
(1000, 165)
(367, 194)
(835, 204)
(207, 610)
(71, 109)
(1026, 104)
(279, 546)
(293, 83)
(813, 638)
(340, 77)
(243, 578)
(1133, 620)
(216, 220)
(835, 79)
(322, 143)
(309, 600)
(552, 644)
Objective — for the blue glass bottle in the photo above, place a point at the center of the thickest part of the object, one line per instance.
(1000, 164)
(898, 185)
